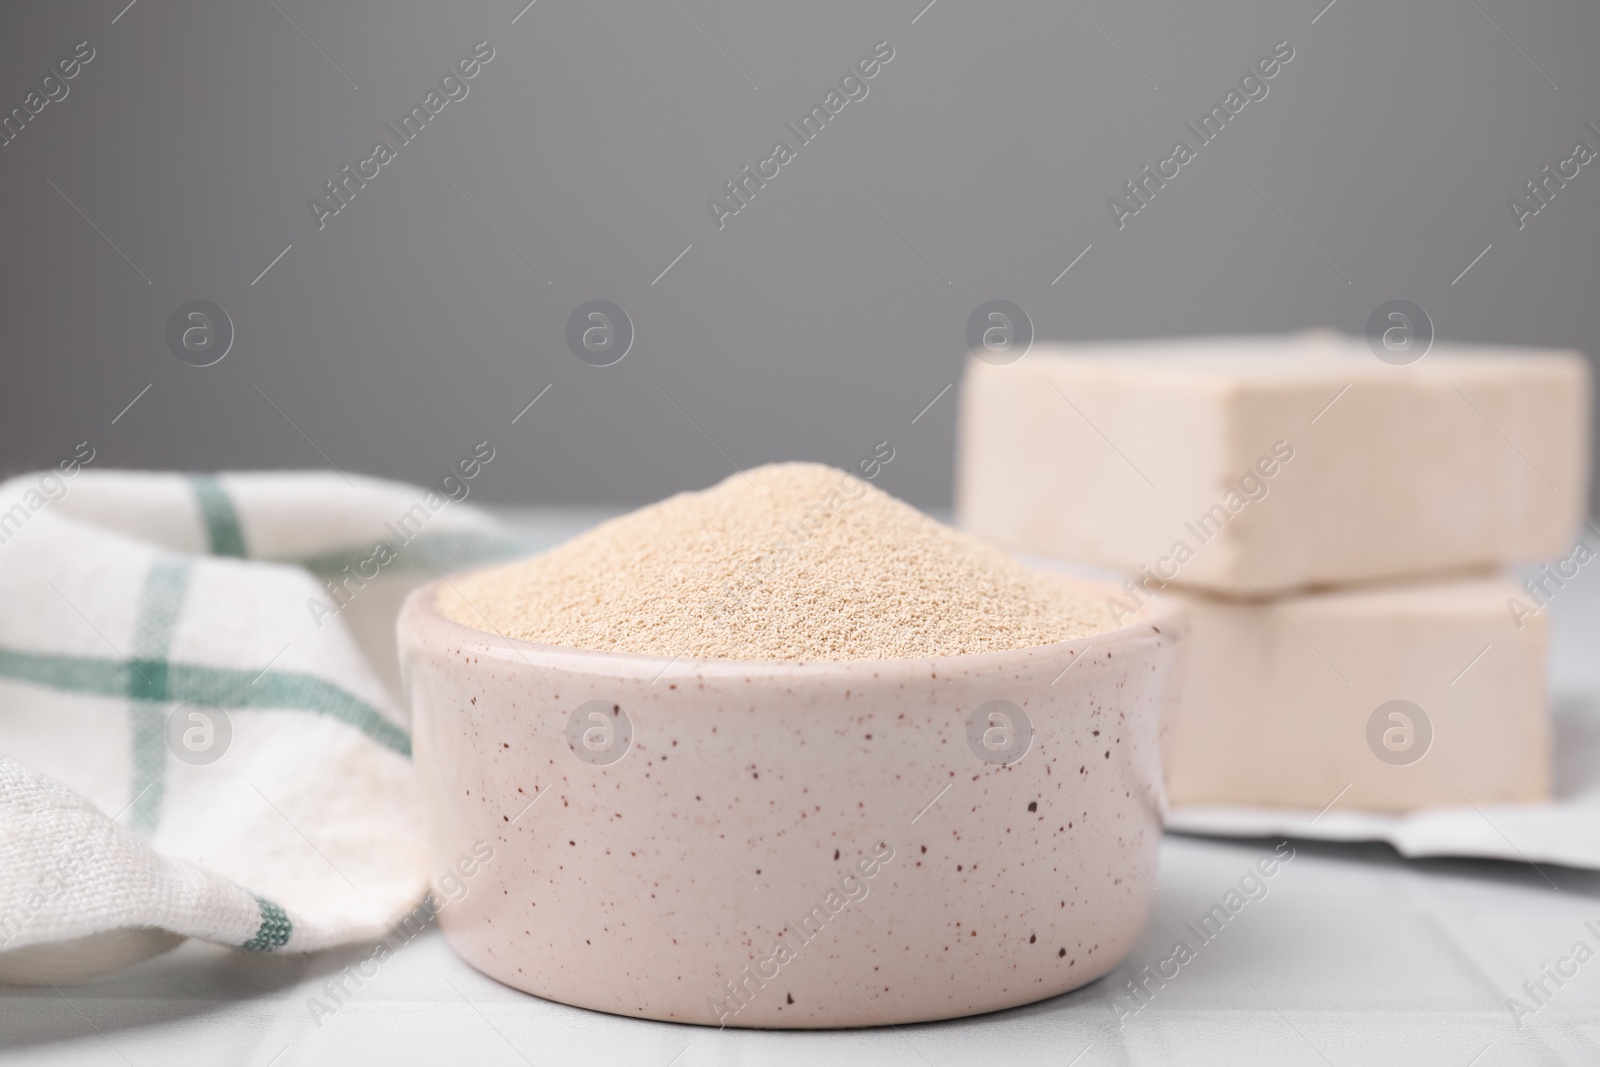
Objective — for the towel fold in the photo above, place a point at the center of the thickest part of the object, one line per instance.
(201, 732)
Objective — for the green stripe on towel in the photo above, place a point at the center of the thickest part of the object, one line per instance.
(430, 553)
(222, 686)
(223, 531)
(275, 928)
(155, 618)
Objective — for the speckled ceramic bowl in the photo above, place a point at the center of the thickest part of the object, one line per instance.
(790, 844)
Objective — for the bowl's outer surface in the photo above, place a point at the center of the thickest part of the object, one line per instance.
(789, 845)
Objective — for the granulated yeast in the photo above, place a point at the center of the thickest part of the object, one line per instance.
(792, 561)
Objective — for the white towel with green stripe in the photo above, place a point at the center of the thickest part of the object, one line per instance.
(200, 728)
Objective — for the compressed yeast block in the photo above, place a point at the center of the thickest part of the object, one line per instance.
(1252, 466)
(1389, 698)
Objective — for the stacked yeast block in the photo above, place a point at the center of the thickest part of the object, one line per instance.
(1288, 704)
(1334, 523)
(1297, 462)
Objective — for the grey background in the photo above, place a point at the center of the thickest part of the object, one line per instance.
(809, 327)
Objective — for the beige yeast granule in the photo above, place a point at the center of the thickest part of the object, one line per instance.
(792, 561)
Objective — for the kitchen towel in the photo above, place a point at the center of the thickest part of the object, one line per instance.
(201, 733)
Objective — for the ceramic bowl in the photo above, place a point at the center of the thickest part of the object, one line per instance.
(773, 844)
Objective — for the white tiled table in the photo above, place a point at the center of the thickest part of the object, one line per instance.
(1355, 957)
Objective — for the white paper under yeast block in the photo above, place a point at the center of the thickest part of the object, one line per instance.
(1281, 702)
(1260, 465)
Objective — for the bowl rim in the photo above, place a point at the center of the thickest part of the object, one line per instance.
(1159, 616)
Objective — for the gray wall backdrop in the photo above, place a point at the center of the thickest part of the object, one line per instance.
(824, 316)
